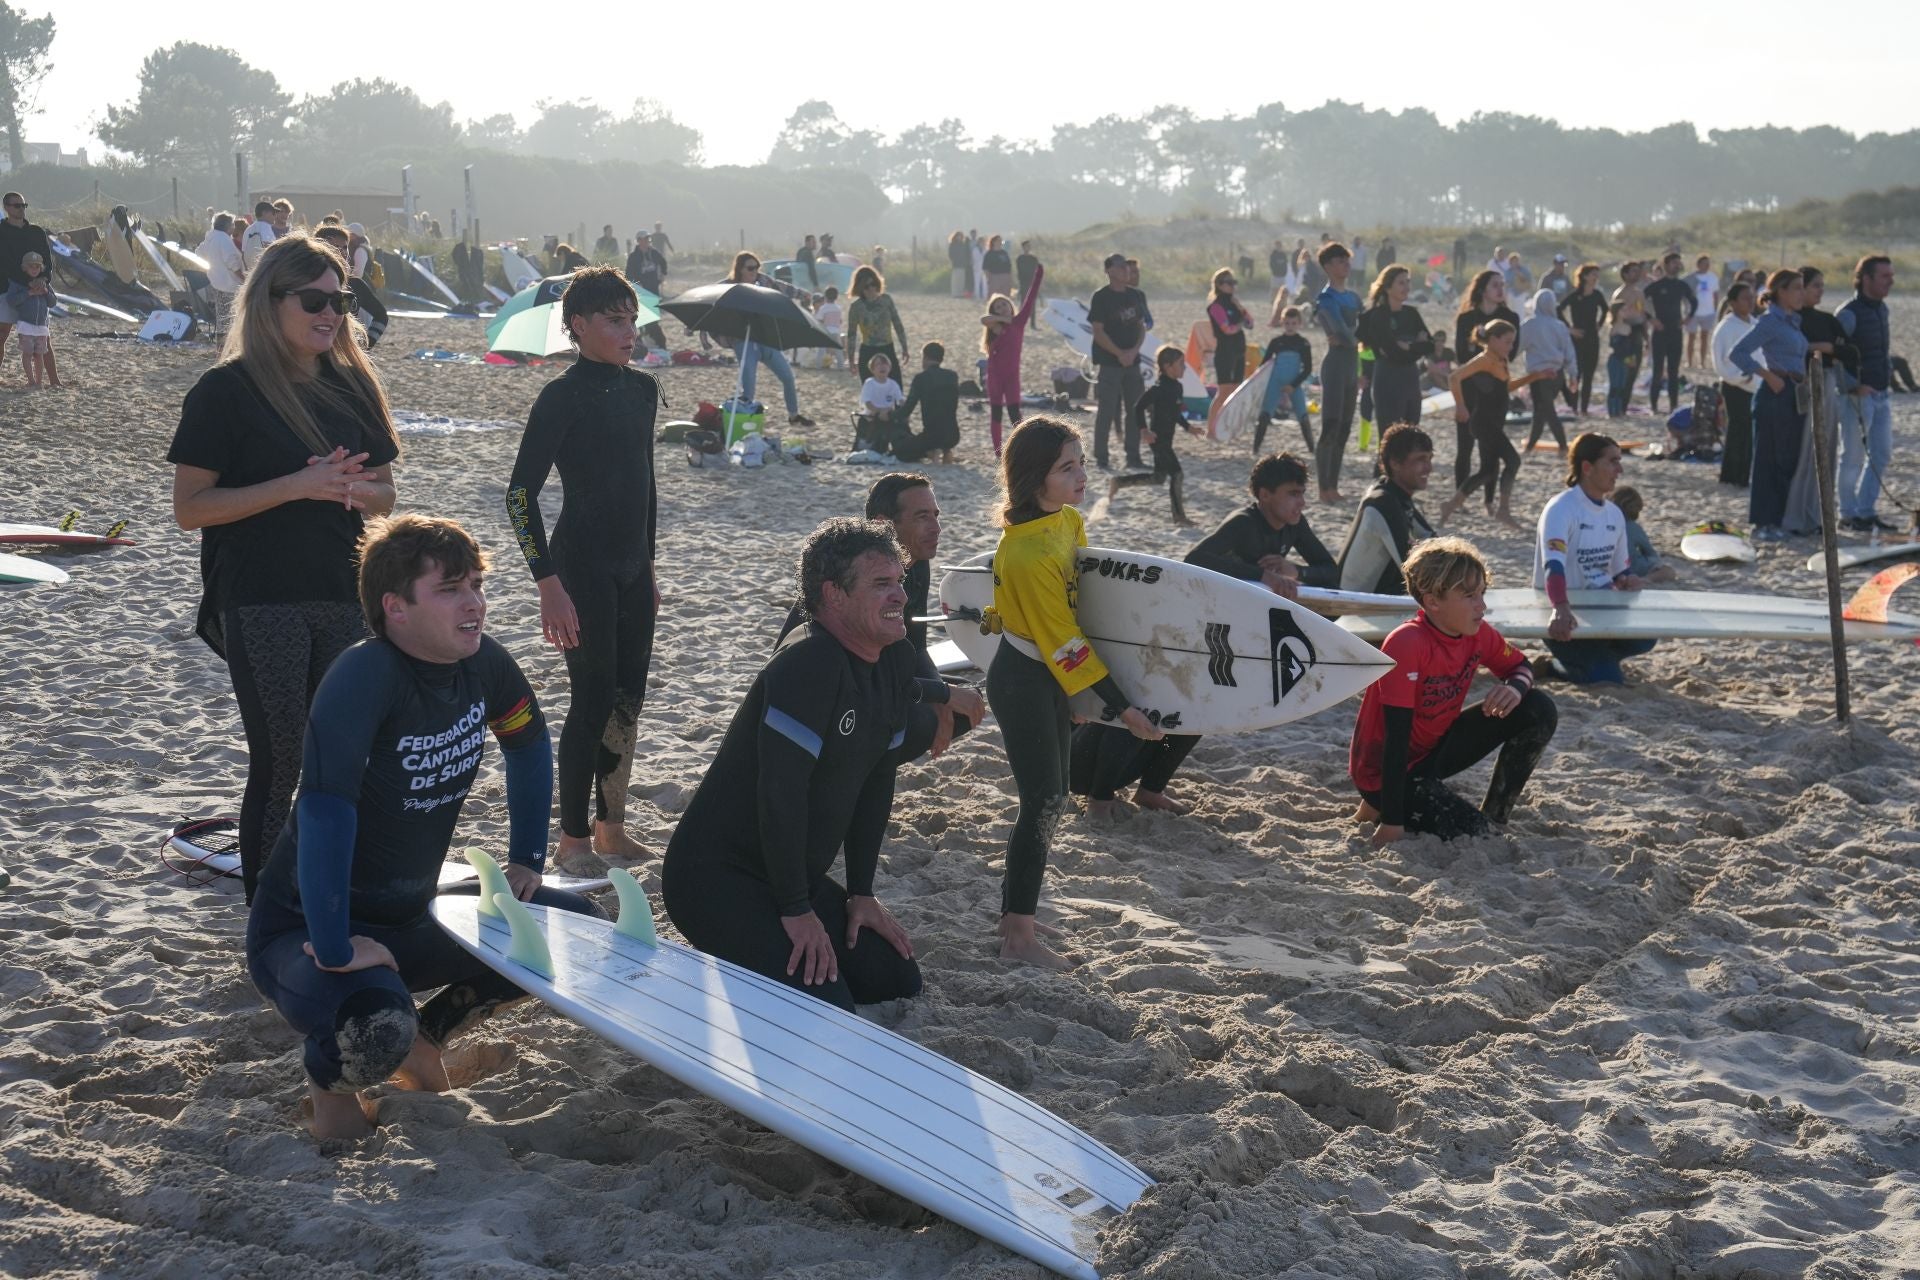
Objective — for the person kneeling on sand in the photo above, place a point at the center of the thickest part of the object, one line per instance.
(1412, 733)
(1389, 522)
(1581, 544)
(806, 767)
(339, 935)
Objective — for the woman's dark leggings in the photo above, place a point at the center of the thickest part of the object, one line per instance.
(360, 1026)
(1521, 735)
(1777, 427)
(729, 913)
(1105, 758)
(1396, 395)
(1037, 729)
(1545, 415)
(276, 654)
(1587, 353)
(607, 677)
(1736, 457)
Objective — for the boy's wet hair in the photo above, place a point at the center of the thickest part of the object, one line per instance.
(596, 291)
(1168, 354)
(1291, 312)
(1442, 565)
(934, 351)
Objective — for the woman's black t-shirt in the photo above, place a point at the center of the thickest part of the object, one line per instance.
(296, 552)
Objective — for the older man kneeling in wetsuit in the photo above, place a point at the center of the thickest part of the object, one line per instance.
(806, 767)
(339, 936)
(906, 500)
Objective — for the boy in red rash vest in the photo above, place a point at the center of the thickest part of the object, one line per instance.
(1412, 732)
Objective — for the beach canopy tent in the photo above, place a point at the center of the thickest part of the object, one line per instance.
(529, 323)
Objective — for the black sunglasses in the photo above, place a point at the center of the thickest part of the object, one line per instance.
(314, 301)
(16, 204)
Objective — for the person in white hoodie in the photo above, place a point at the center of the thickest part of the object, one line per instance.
(225, 270)
(1547, 346)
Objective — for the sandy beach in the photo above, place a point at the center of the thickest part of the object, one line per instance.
(1668, 1025)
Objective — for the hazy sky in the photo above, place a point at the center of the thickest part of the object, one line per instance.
(1054, 62)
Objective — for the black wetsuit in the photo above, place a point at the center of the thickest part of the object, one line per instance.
(1236, 546)
(1586, 312)
(806, 767)
(1465, 349)
(393, 746)
(1487, 400)
(1298, 344)
(1406, 525)
(922, 720)
(595, 422)
(1398, 339)
(1162, 409)
(1673, 302)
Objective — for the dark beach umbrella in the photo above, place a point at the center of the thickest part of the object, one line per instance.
(740, 311)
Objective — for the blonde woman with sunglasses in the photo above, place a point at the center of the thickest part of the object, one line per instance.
(284, 447)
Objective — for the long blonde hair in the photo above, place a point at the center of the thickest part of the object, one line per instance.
(257, 345)
(986, 328)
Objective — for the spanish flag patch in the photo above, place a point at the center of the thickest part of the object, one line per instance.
(517, 717)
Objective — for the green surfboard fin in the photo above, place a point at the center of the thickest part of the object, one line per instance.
(528, 946)
(636, 913)
(492, 880)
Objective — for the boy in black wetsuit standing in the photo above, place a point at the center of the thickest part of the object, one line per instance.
(339, 937)
(598, 594)
(1160, 412)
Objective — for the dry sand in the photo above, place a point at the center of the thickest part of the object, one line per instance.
(1666, 1026)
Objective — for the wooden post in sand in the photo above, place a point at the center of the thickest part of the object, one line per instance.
(1823, 471)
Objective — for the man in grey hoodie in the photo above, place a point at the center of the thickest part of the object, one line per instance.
(1547, 345)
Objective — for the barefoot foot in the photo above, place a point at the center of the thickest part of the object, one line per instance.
(1115, 810)
(1018, 941)
(423, 1071)
(610, 840)
(339, 1115)
(1158, 801)
(1366, 813)
(574, 855)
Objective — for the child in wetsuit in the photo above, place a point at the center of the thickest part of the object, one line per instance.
(1293, 357)
(936, 390)
(1159, 413)
(1643, 558)
(1413, 732)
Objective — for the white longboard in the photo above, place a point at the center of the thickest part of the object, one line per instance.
(1329, 602)
(160, 262)
(1198, 651)
(210, 847)
(1849, 557)
(25, 571)
(1241, 408)
(1521, 614)
(1717, 542)
(875, 1102)
(1068, 318)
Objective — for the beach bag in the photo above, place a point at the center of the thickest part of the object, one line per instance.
(741, 418)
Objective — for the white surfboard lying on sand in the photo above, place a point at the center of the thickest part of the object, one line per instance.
(1715, 542)
(212, 847)
(1241, 409)
(25, 571)
(46, 535)
(917, 1123)
(1198, 651)
(1852, 556)
(1521, 614)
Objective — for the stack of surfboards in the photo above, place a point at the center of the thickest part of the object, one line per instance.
(1198, 651)
(875, 1102)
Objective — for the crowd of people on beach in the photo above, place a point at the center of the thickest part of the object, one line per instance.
(368, 685)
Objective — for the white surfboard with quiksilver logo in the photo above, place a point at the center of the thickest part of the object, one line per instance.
(1198, 651)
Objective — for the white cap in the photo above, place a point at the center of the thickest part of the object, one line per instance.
(356, 229)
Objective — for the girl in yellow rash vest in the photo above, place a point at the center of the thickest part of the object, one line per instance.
(1042, 661)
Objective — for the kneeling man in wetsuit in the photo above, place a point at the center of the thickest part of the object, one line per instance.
(806, 768)
(905, 499)
(339, 936)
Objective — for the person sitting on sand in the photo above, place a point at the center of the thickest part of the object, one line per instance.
(1389, 522)
(339, 936)
(1643, 558)
(936, 390)
(1581, 544)
(1412, 732)
(1256, 542)
(880, 395)
(906, 500)
(806, 767)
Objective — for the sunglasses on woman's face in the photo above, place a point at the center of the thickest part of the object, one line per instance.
(314, 301)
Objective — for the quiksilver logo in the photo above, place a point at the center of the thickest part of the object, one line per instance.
(846, 724)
